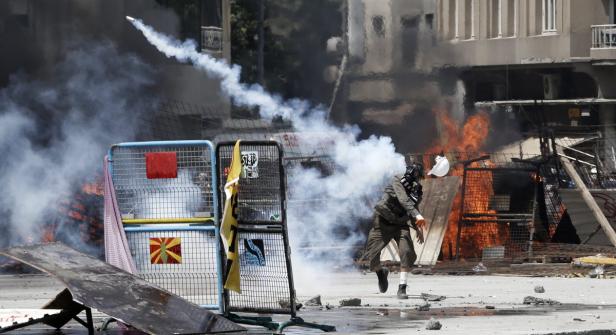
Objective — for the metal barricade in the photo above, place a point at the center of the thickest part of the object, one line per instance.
(497, 220)
(265, 264)
(166, 194)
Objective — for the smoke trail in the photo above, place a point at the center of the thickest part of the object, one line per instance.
(55, 132)
(362, 167)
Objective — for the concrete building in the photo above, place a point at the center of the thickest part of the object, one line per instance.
(557, 57)
(387, 81)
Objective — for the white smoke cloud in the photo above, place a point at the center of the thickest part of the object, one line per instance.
(54, 133)
(362, 166)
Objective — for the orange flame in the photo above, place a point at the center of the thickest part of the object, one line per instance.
(469, 139)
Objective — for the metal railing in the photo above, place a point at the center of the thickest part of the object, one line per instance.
(604, 36)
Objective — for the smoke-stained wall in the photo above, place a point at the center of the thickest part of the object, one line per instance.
(390, 87)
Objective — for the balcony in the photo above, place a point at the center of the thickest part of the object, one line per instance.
(603, 43)
(604, 36)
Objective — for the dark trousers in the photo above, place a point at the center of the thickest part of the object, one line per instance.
(381, 233)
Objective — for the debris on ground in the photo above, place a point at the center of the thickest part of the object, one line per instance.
(284, 303)
(314, 301)
(432, 297)
(578, 319)
(598, 259)
(490, 307)
(539, 289)
(433, 325)
(596, 272)
(383, 312)
(529, 300)
(353, 302)
(423, 308)
(480, 268)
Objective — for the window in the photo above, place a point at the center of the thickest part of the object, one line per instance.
(378, 24)
(511, 18)
(549, 15)
(495, 19)
(469, 15)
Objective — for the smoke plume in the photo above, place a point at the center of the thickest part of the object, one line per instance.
(55, 132)
(361, 167)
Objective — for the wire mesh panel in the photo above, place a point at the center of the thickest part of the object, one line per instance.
(498, 210)
(260, 199)
(184, 261)
(266, 278)
(263, 273)
(164, 181)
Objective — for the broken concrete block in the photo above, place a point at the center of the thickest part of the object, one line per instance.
(529, 300)
(350, 302)
(314, 301)
(539, 289)
(432, 297)
(423, 308)
(433, 325)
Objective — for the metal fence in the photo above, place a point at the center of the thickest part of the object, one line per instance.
(166, 194)
(498, 209)
(187, 196)
(262, 183)
(265, 263)
(184, 260)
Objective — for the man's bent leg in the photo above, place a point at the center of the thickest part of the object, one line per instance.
(407, 259)
(376, 242)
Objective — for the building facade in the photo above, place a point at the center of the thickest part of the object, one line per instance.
(556, 57)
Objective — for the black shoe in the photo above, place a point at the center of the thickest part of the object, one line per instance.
(383, 283)
(402, 292)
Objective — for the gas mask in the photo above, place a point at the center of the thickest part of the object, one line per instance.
(410, 181)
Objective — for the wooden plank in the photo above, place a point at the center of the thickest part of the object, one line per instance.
(588, 199)
(439, 194)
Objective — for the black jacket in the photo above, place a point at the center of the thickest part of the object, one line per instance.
(396, 206)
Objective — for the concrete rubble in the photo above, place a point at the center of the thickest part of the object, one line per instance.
(539, 289)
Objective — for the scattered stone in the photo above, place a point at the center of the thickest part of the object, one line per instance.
(490, 307)
(423, 308)
(284, 303)
(480, 268)
(416, 271)
(353, 302)
(539, 289)
(432, 297)
(529, 300)
(433, 325)
(314, 301)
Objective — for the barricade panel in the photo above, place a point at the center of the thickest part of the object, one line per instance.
(263, 273)
(183, 261)
(164, 182)
(265, 265)
(161, 188)
(498, 210)
(260, 198)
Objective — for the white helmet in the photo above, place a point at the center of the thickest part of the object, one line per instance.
(441, 168)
